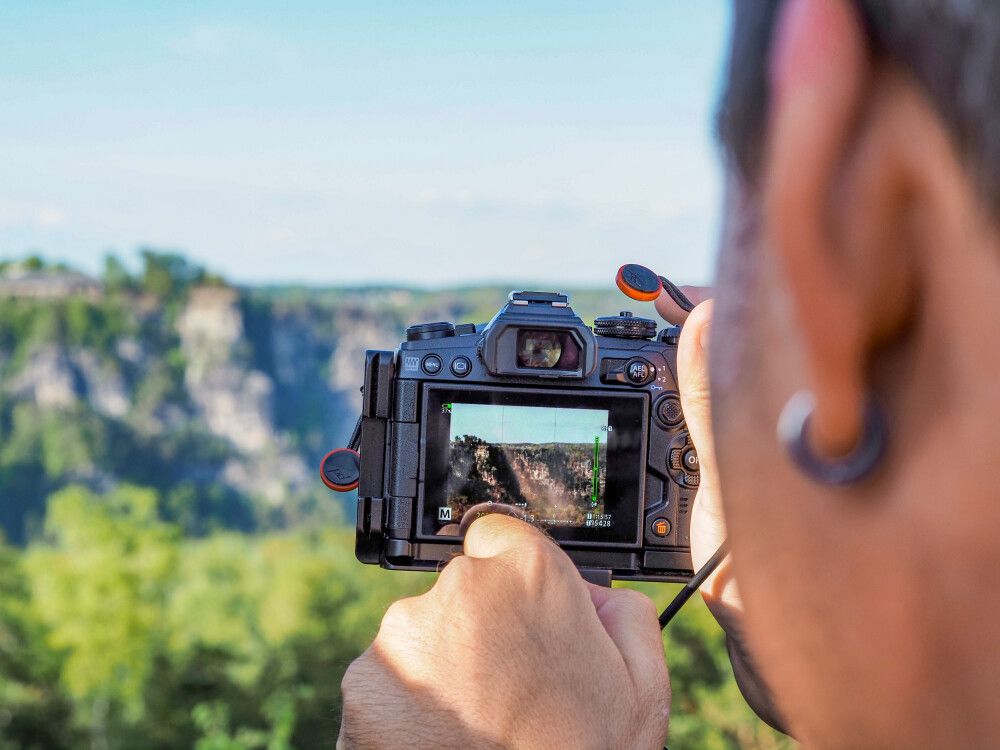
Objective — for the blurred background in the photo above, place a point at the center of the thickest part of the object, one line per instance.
(209, 211)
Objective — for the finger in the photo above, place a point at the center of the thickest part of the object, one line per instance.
(484, 509)
(692, 376)
(629, 618)
(671, 312)
(496, 534)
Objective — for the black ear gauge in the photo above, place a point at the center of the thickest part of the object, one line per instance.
(793, 431)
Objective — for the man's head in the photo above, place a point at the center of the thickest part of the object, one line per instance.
(861, 259)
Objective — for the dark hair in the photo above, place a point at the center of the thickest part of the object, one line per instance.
(951, 47)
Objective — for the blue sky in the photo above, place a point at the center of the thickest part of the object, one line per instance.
(528, 424)
(426, 143)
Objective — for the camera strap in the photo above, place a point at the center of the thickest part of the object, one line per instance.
(694, 584)
(675, 293)
(355, 442)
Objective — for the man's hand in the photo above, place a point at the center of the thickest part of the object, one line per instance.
(511, 648)
(708, 526)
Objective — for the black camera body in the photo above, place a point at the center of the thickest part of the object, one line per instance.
(578, 430)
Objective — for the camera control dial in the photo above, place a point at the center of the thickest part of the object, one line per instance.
(426, 331)
(625, 326)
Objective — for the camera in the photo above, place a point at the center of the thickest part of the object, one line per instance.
(576, 429)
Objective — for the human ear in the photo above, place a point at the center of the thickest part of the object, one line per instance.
(835, 192)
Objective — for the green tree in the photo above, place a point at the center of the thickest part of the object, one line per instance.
(116, 632)
(168, 275)
(33, 711)
(116, 277)
(99, 584)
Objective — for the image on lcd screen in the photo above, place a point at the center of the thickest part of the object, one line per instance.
(549, 462)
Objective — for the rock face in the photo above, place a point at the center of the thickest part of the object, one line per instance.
(356, 332)
(234, 400)
(56, 378)
(106, 389)
(49, 379)
(222, 399)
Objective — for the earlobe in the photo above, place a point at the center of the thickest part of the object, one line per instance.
(853, 467)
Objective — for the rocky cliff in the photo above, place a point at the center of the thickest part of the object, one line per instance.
(222, 399)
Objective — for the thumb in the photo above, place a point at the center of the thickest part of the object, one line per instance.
(692, 377)
(708, 525)
(497, 534)
(630, 620)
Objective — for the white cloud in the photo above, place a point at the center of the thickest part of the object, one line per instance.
(15, 215)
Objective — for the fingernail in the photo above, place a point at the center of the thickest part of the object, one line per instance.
(704, 335)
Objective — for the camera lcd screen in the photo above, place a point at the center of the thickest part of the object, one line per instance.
(571, 463)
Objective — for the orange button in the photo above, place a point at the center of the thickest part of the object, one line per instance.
(661, 527)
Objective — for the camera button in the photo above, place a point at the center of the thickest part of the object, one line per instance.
(639, 372)
(691, 461)
(660, 527)
(431, 364)
(668, 411)
(461, 366)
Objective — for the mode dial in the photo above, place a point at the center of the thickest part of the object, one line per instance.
(625, 326)
(429, 331)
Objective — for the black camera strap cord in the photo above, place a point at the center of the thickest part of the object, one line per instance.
(693, 585)
(355, 442)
